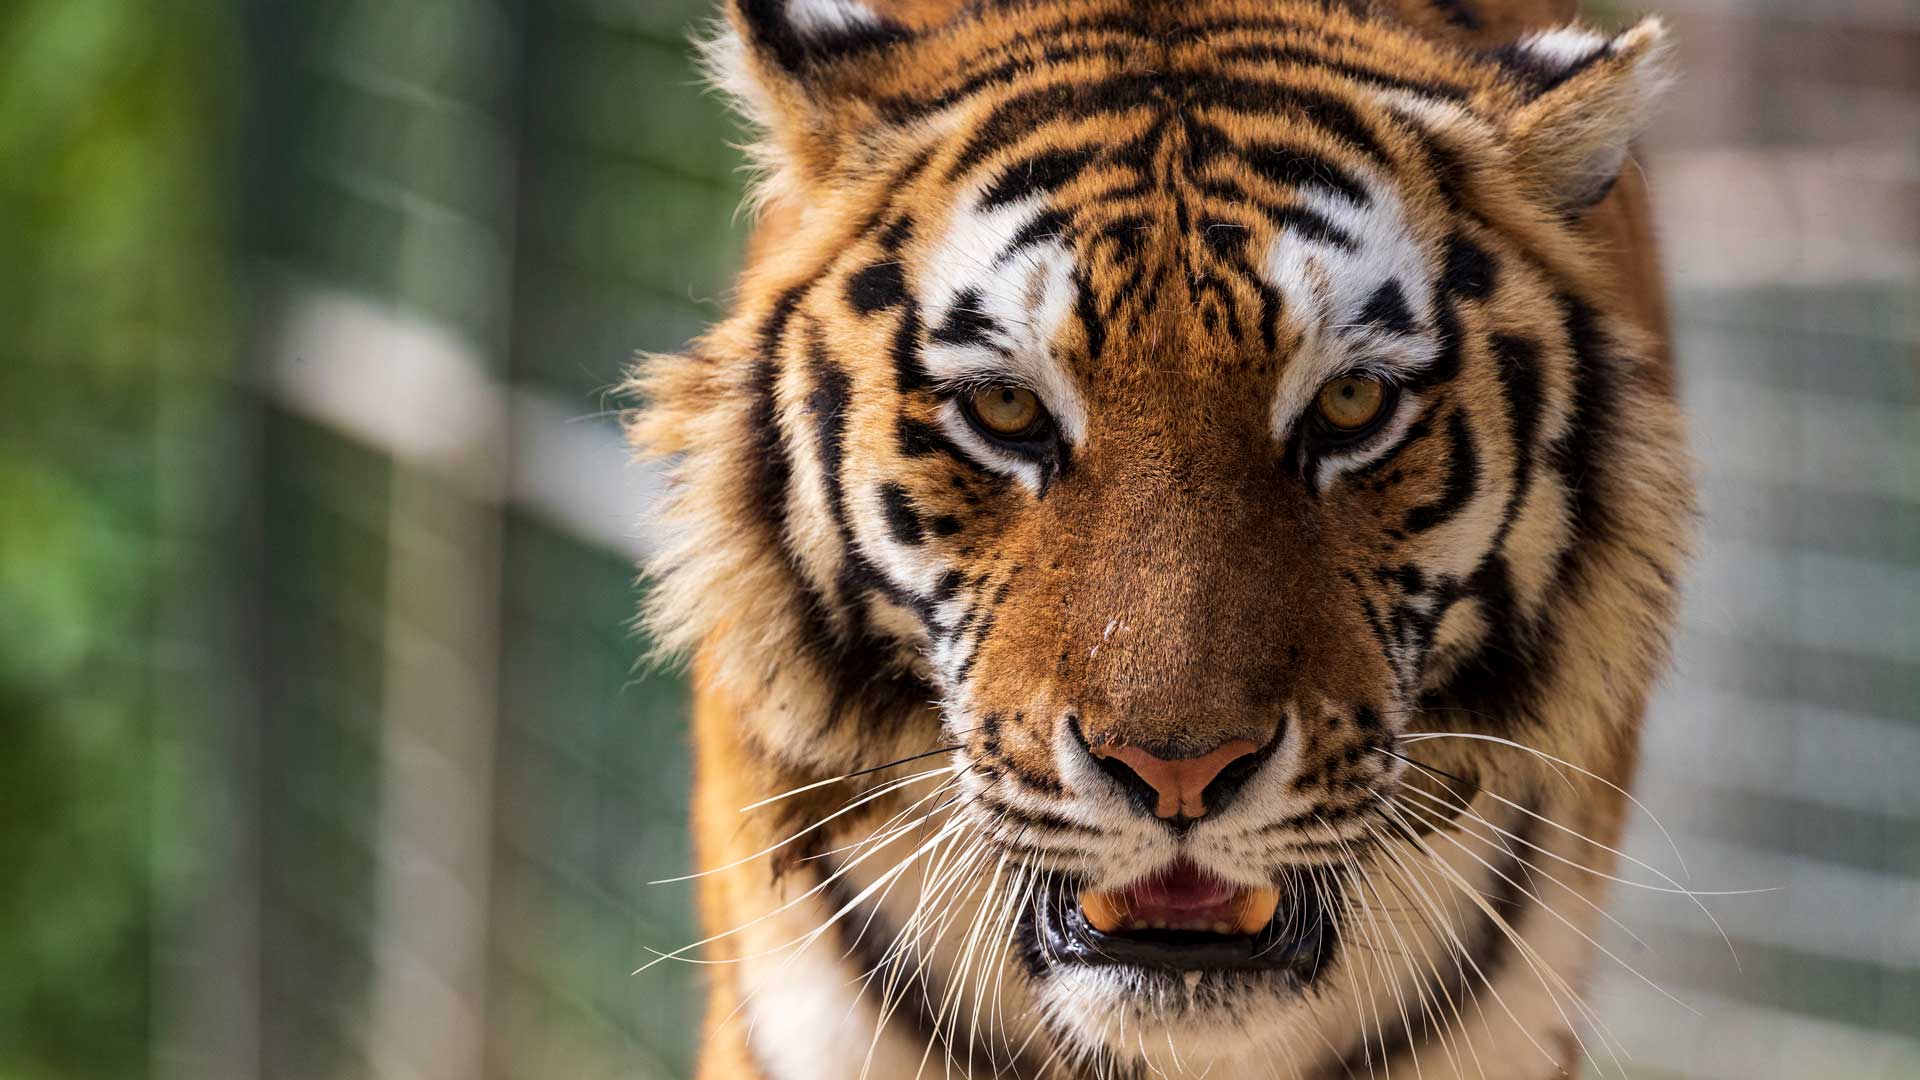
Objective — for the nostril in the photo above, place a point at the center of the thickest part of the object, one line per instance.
(1178, 789)
(1141, 793)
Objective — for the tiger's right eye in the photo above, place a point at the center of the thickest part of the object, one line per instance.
(1010, 412)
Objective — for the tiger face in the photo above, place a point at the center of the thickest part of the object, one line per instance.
(1175, 413)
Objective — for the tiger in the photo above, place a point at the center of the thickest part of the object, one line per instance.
(1173, 538)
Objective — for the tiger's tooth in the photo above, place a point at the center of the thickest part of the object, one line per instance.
(1256, 910)
(1102, 910)
(1222, 928)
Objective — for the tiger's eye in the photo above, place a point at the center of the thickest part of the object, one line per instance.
(1006, 410)
(1352, 403)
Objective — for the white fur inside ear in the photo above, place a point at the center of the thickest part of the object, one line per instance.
(1596, 95)
(1563, 48)
(824, 18)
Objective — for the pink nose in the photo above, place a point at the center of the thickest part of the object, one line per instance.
(1179, 784)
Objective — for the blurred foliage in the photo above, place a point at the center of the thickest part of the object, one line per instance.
(114, 115)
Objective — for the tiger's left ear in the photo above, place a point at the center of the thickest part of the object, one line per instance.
(1588, 96)
(800, 70)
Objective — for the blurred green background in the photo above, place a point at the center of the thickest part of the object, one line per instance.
(325, 751)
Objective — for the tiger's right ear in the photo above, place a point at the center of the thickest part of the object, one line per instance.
(803, 71)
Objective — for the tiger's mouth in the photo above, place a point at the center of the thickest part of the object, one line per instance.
(1181, 920)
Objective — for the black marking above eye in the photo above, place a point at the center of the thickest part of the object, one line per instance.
(1387, 309)
(1046, 171)
(877, 288)
(966, 323)
(1299, 169)
(1470, 272)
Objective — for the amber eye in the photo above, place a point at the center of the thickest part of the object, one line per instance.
(1350, 404)
(1007, 411)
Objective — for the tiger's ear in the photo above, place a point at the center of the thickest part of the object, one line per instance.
(800, 70)
(1586, 97)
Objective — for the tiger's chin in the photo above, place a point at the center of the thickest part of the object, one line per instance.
(1178, 963)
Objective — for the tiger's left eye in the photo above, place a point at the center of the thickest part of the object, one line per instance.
(1348, 405)
(1007, 411)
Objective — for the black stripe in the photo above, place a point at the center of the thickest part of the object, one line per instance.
(1290, 54)
(1517, 362)
(1286, 166)
(1309, 224)
(828, 403)
(1447, 170)
(1086, 307)
(1049, 224)
(966, 323)
(1580, 454)
(1019, 116)
(1387, 309)
(769, 29)
(1457, 13)
(1470, 272)
(907, 107)
(1047, 171)
(1463, 479)
(903, 519)
(769, 466)
(1446, 365)
(908, 373)
(877, 287)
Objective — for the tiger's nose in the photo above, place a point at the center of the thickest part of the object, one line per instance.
(1179, 789)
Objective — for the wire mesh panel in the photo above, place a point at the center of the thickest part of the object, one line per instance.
(499, 202)
(328, 749)
(1778, 752)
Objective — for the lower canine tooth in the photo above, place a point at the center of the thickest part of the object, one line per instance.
(1256, 909)
(1102, 910)
(1222, 928)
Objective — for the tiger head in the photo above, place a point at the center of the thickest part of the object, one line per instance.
(1175, 411)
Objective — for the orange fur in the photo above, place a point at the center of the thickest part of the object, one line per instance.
(1147, 597)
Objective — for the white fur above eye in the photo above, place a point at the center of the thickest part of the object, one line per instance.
(1328, 288)
(1572, 139)
(995, 303)
(823, 18)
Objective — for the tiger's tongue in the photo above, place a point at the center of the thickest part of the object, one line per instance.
(1180, 897)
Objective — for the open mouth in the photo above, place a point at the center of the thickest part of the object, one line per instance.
(1182, 919)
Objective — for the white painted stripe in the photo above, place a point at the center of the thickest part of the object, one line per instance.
(1823, 908)
(1799, 597)
(1749, 431)
(407, 387)
(1783, 748)
(577, 474)
(1874, 14)
(1736, 1040)
(1746, 217)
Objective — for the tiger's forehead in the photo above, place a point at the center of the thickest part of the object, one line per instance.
(1180, 248)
